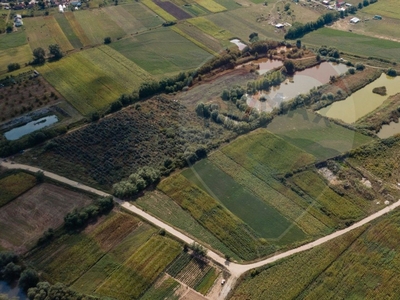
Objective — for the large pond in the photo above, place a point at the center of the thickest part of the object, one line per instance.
(363, 101)
(12, 291)
(389, 130)
(300, 83)
(18, 132)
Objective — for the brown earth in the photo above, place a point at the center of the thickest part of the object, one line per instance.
(24, 220)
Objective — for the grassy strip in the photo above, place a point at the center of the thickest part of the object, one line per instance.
(77, 28)
(158, 10)
(180, 262)
(14, 185)
(207, 281)
(211, 5)
(197, 43)
(68, 31)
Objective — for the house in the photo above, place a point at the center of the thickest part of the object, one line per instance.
(18, 20)
(279, 25)
(326, 2)
(354, 20)
(76, 3)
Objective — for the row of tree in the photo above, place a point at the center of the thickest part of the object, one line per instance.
(47, 291)
(39, 54)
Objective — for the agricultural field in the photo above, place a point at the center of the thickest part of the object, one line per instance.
(164, 288)
(228, 228)
(361, 264)
(68, 30)
(39, 208)
(315, 134)
(387, 8)
(163, 207)
(133, 17)
(354, 43)
(77, 28)
(118, 256)
(12, 40)
(208, 27)
(21, 55)
(261, 217)
(146, 134)
(44, 31)
(13, 185)
(211, 5)
(97, 25)
(162, 52)
(172, 9)
(91, 80)
(158, 10)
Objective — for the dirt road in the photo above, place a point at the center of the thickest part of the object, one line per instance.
(235, 269)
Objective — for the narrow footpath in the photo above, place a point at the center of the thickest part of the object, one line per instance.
(235, 269)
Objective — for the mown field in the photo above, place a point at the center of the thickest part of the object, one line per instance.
(90, 80)
(387, 8)
(119, 256)
(14, 49)
(162, 52)
(143, 135)
(77, 28)
(316, 135)
(68, 29)
(362, 264)
(44, 31)
(354, 43)
(228, 228)
(208, 27)
(13, 185)
(43, 206)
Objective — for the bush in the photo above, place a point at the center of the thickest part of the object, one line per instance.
(29, 278)
(391, 72)
(107, 40)
(13, 66)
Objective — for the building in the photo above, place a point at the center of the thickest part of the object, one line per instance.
(18, 20)
(354, 20)
(279, 25)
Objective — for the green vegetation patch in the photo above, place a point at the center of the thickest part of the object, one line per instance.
(210, 28)
(20, 55)
(263, 218)
(68, 30)
(207, 281)
(92, 79)
(354, 43)
(161, 52)
(211, 5)
(315, 134)
(138, 273)
(161, 291)
(13, 40)
(14, 185)
(229, 229)
(97, 25)
(387, 8)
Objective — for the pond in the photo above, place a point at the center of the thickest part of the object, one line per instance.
(12, 290)
(300, 83)
(389, 130)
(18, 132)
(238, 43)
(362, 101)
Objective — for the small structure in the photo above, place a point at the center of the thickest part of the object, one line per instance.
(18, 20)
(279, 25)
(377, 17)
(60, 8)
(76, 3)
(325, 2)
(354, 20)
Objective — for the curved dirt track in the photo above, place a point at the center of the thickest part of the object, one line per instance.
(235, 269)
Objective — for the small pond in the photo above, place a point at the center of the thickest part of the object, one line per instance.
(362, 101)
(238, 43)
(12, 291)
(300, 83)
(389, 130)
(18, 132)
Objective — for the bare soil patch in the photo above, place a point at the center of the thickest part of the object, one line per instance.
(173, 9)
(24, 220)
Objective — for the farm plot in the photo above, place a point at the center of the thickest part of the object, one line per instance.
(26, 218)
(14, 185)
(90, 80)
(164, 288)
(194, 41)
(387, 8)
(138, 273)
(77, 28)
(13, 40)
(162, 52)
(211, 5)
(132, 18)
(348, 42)
(44, 31)
(234, 233)
(315, 134)
(97, 25)
(158, 10)
(261, 217)
(194, 9)
(21, 55)
(211, 29)
(296, 209)
(172, 9)
(68, 30)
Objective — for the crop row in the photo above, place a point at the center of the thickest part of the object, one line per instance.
(193, 273)
(180, 262)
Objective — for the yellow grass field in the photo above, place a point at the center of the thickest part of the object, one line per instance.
(158, 10)
(211, 5)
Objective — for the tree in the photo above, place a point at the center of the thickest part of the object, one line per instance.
(289, 66)
(39, 55)
(29, 278)
(287, 6)
(392, 72)
(298, 44)
(253, 37)
(365, 3)
(13, 66)
(39, 176)
(11, 272)
(360, 5)
(107, 40)
(55, 50)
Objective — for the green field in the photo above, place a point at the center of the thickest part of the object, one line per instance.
(77, 28)
(387, 8)
(229, 229)
(133, 17)
(263, 218)
(158, 10)
(362, 264)
(68, 30)
(21, 55)
(162, 52)
(97, 25)
(316, 135)
(169, 211)
(12, 40)
(44, 31)
(212, 29)
(354, 43)
(211, 5)
(14, 185)
(92, 79)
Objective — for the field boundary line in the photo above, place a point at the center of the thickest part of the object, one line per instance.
(194, 41)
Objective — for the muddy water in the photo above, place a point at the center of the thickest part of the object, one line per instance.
(363, 101)
(389, 130)
(300, 83)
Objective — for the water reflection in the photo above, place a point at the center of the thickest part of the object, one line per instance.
(18, 132)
